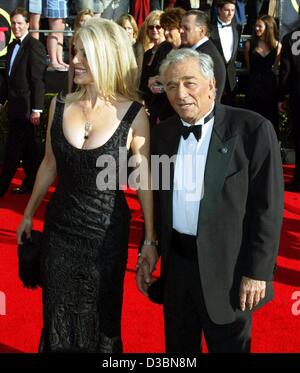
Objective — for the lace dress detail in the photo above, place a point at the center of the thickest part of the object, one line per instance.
(85, 245)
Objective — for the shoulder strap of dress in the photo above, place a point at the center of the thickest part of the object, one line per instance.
(58, 112)
(134, 108)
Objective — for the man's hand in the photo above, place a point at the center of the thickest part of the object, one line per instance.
(145, 266)
(251, 292)
(35, 118)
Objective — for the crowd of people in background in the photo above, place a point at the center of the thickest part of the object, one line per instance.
(213, 27)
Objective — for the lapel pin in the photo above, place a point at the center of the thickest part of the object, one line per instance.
(224, 150)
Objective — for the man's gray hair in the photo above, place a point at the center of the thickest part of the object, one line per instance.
(205, 62)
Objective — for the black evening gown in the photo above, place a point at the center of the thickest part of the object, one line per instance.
(261, 94)
(85, 245)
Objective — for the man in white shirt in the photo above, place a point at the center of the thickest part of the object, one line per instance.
(218, 223)
(225, 36)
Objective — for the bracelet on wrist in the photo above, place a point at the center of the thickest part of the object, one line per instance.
(150, 243)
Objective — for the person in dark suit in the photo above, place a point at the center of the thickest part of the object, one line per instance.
(194, 34)
(225, 36)
(219, 207)
(289, 83)
(24, 90)
(191, 5)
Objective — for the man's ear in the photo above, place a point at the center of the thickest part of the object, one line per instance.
(212, 85)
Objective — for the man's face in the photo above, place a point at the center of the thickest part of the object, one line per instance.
(189, 93)
(19, 26)
(190, 32)
(172, 35)
(226, 13)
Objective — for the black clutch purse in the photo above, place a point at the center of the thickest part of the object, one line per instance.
(29, 254)
(156, 291)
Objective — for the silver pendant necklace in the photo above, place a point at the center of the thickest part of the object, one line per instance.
(87, 125)
(87, 130)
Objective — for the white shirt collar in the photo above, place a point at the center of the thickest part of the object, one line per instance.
(200, 42)
(221, 23)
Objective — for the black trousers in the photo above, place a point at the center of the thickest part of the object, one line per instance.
(20, 145)
(185, 313)
(228, 97)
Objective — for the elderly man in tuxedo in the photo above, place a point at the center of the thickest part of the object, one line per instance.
(24, 90)
(219, 220)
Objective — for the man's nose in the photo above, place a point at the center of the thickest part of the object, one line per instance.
(181, 91)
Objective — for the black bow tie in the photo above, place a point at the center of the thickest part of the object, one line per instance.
(224, 25)
(196, 130)
(18, 41)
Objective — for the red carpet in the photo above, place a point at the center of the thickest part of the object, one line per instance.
(276, 328)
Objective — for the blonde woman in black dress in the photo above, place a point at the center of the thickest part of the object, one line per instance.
(85, 237)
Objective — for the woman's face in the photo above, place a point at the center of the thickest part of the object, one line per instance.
(129, 29)
(260, 28)
(82, 72)
(155, 31)
(172, 35)
(84, 18)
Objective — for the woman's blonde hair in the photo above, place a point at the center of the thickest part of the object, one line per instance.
(111, 60)
(128, 17)
(143, 36)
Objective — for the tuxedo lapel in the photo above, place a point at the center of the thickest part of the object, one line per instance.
(16, 62)
(216, 38)
(235, 41)
(19, 56)
(8, 57)
(222, 145)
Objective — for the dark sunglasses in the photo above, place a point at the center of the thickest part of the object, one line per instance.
(152, 27)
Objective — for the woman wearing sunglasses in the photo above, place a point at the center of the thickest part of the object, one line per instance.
(157, 102)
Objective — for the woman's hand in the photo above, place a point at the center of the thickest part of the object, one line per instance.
(155, 85)
(24, 227)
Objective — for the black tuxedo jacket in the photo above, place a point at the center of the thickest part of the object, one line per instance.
(25, 86)
(219, 67)
(241, 212)
(289, 72)
(230, 66)
(185, 4)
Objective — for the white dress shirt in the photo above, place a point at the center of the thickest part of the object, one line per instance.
(195, 4)
(188, 178)
(226, 38)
